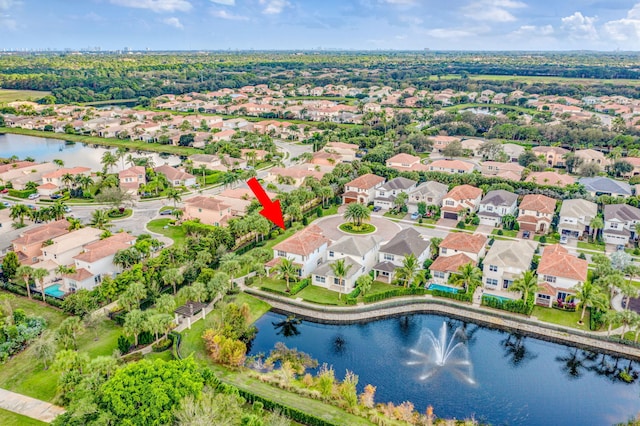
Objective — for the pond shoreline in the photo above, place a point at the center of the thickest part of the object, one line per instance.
(429, 305)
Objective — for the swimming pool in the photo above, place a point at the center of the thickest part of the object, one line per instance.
(500, 298)
(54, 291)
(443, 288)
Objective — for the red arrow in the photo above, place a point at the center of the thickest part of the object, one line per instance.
(271, 209)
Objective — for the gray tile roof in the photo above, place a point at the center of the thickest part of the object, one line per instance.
(603, 184)
(433, 188)
(325, 270)
(579, 208)
(622, 212)
(406, 242)
(385, 266)
(511, 253)
(355, 246)
(398, 183)
(499, 197)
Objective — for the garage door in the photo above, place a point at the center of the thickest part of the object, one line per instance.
(449, 215)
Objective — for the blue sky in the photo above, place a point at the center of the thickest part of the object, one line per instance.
(307, 24)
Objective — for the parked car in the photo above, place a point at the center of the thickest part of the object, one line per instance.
(6, 204)
(55, 196)
(414, 216)
(526, 234)
(31, 206)
(564, 239)
(67, 209)
(620, 247)
(377, 208)
(166, 212)
(4, 191)
(33, 196)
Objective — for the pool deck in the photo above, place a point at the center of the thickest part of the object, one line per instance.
(529, 326)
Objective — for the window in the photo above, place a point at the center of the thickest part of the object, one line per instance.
(320, 279)
(330, 254)
(550, 279)
(491, 281)
(443, 250)
(449, 203)
(489, 208)
(384, 273)
(282, 253)
(438, 274)
(336, 281)
(493, 268)
(506, 283)
(389, 257)
(544, 296)
(613, 225)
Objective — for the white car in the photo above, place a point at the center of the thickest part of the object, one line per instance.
(564, 239)
(34, 196)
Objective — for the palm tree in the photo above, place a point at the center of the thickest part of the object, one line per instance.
(340, 271)
(526, 284)
(174, 277)
(610, 282)
(468, 276)
(325, 193)
(19, 211)
(121, 153)
(230, 265)
(285, 270)
(134, 324)
(508, 221)
(84, 182)
(590, 295)
(595, 225)
(57, 210)
(628, 290)
(108, 160)
(626, 318)
(408, 271)
(357, 213)
(74, 224)
(38, 275)
(25, 272)
(609, 319)
(67, 179)
(100, 219)
(364, 282)
(203, 169)
(58, 162)
(196, 292)
(174, 195)
(165, 304)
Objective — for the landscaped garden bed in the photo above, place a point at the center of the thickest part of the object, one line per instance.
(364, 228)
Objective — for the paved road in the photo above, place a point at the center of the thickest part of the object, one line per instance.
(30, 407)
(385, 229)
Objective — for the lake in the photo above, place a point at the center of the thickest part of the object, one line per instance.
(508, 380)
(76, 154)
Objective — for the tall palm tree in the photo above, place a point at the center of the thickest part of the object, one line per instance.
(108, 160)
(67, 179)
(57, 210)
(174, 195)
(19, 211)
(120, 154)
(468, 276)
(595, 226)
(408, 271)
(85, 181)
(38, 275)
(340, 270)
(325, 193)
(357, 213)
(611, 281)
(527, 283)
(628, 290)
(100, 219)
(174, 277)
(285, 270)
(590, 295)
(25, 272)
(134, 324)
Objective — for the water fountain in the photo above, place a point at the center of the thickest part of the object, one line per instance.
(435, 354)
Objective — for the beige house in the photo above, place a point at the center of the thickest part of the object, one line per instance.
(406, 163)
(28, 246)
(209, 210)
(495, 168)
(553, 155)
(345, 150)
(505, 262)
(362, 189)
(451, 166)
(550, 178)
(62, 249)
(297, 173)
(591, 156)
(440, 142)
(460, 199)
(175, 176)
(558, 274)
(132, 178)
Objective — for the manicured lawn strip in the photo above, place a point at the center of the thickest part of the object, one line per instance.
(394, 215)
(330, 413)
(556, 316)
(10, 418)
(380, 287)
(591, 246)
(10, 95)
(111, 142)
(321, 296)
(32, 307)
(165, 356)
(176, 233)
(272, 283)
(506, 233)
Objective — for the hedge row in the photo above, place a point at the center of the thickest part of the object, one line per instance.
(352, 298)
(275, 291)
(21, 194)
(463, 297)
(300, 286)
(22, 291)
(516, 306)
(376, 297)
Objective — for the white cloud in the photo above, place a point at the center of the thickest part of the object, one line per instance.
(7, 4)
(401, 2)
(626, 28)
(173, 22)
(7, 23)
(580, 27)
(492, 10)
(528, 30)
(223, 14)
(274, 7)
(224, 2)
(448, 33)
(156, 5)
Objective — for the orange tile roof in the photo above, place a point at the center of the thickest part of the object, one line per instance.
(538, 203)
(303, 242)
(404, 158)
(546, 288)
(451, 164)
(471, 243)
(556, 261)
(451, 263)
(550, 178)
(207, 203)
(464, 192)
(43, 233)
(366, 181)
(107, 247)
(80, 275)
(61, 172)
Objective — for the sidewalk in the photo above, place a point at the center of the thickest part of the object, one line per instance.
(30, 407)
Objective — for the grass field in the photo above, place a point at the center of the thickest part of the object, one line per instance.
(556, 316)
(176, 233)
(12, 419)
(7, 96)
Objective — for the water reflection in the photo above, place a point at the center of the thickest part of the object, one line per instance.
(288, 327)
(515, 350)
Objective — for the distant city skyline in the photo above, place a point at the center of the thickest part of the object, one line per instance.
(603, 25)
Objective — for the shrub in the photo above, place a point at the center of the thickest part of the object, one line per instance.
(21, 194)
(396, 292)
(516, 306)
(352, 298)
(123, 344)
(275, 291)
(582, 256)
(543, 239)
(162, 345)
(500, 232)
(460, 225)
(463, 297)
(297, 288)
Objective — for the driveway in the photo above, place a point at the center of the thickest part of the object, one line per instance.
(484, 229)
(385, 228)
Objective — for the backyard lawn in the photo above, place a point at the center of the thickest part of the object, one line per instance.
(34, 307)
(176, 233)
(556, 316)
(321, 296)
(12, 419)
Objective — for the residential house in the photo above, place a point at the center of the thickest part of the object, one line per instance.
(600, 185)
(505, 262)
(635, 162)
(362, 189)
(28, 246)
(558, 274)
(536, 213)
(63, 248)
(324, 158)
(513, 151)
(361, 253)
(6, 223)
(495, 205)
(392, 254)
(460, 199)
(431, 193)
(620, 223)
(440, 142)
(346, 150)
(387, 193)
(472, 145)
(445, 266)
(57, 177)
(451, 166)
(553, 155)
(591, 156)
(307, 249)
(495, 168)
(406, 163)
(576, 216)
(550, 178)
(295, 175)
(96, 262)
(175, 176)
(210, 210)
(19, 177)
(132, 178)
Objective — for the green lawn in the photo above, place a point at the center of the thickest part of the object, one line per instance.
(321, 296)
(379, 287)
(556, 316)
(257, 307)
(505, 233)
(107, 332)
(12, 419)
(176, 233)
(394, 215)
(7, 95)
(272, 283)
(591, 246)
(165, 356)
(34, 307)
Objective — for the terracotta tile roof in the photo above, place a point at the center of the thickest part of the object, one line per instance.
(556, 261)
(532, 219)
(538, 203)
(451, 164)
(172, 173)
(546, 149)
(243, 194)
(80, 275)
(451, 263)
(43, 233)
(47, 186)
(15, 166)
(61, 172)
(132, 171)
(404, 158)
(546, 288)
(550, 178)
(107, 247)
(460, 241)
(366, 181)
(206, 203)
(464, 192)
(303, 242)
